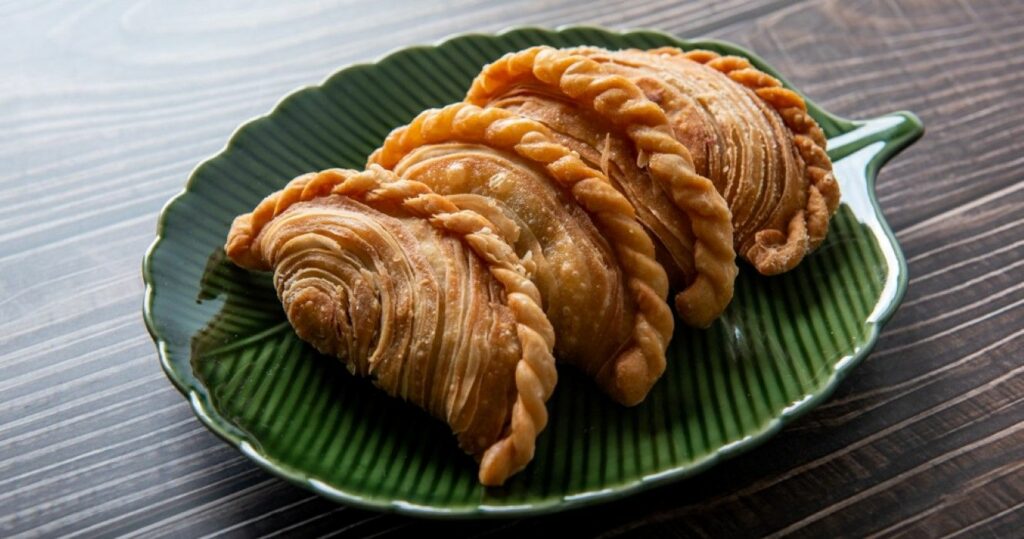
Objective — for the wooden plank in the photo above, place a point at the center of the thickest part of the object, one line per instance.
(106, 107)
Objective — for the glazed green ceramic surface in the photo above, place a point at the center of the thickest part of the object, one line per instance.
(780, 348)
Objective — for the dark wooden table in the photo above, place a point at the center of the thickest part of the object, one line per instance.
(106, 106)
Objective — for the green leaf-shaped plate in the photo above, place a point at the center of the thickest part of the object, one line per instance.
(780, 348)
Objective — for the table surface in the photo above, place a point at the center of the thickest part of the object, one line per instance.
(106, 106)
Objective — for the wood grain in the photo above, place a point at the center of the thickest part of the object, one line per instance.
(105, 107)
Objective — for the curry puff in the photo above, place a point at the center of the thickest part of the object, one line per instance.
(739, 128)
(752, 137)
(590, 258)
(550, 214)
(420, 296)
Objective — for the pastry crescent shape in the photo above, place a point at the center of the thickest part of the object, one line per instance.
(752, 137)
(566, 195)
(625, 368)
(645, 124)
(421, 296)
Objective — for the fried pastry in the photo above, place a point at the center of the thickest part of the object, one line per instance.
(569, 193)
(590, 258)
(694, 231)
(421, 296)
(751, 137)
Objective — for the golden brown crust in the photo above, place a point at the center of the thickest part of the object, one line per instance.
(535, 374)
(602, 147)
(439, 242)
(667, 159)
(637, 368)
(773, 252)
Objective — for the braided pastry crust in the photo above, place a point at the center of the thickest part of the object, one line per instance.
(631, 374)
(552, 200)
(319, 222)
(771, 251)
(668, 161)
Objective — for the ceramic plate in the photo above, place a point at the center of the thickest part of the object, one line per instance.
(780, 348)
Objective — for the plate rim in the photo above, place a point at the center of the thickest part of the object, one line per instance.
(844, 365)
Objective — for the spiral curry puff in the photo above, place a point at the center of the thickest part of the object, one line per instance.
(423, 297)
(565, 198)
(719, 117)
